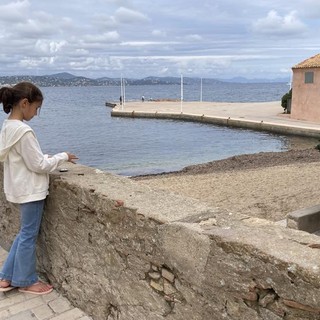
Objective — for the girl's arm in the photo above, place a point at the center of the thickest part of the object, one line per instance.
(35, 160)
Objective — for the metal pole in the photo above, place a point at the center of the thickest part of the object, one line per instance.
(121, 93)
(201, 90)
(181, 94)
(124, 92)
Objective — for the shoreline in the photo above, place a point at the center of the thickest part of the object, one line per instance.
(262, 185)
(244, 162)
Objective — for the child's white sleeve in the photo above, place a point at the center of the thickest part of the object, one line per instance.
(33, 157)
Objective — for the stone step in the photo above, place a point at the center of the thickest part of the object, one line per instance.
(306, 219)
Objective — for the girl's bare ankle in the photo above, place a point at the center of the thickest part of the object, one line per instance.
(4, 283)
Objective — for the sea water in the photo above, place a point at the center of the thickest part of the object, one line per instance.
(75, 119)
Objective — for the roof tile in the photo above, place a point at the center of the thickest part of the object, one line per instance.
(313, 62)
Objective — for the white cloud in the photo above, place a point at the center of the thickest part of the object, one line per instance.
(311, 9)
(276, 25)
(80, 52)
(125, 15)
(159, 33)
(104, 21)
(33, 29)
(31, 63)
(194, 37)
(14, 11)
(83, 64)
(49, 47)
(147, 43)
(105, 38)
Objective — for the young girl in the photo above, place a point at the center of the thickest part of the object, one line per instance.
(26, 182)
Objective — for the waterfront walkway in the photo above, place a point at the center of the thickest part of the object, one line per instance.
(267, 116)
(22, 306)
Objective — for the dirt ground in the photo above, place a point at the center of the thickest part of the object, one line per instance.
(265, 185)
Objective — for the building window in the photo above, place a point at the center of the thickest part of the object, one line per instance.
(308, 77)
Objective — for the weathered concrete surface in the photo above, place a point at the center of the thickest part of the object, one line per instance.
(161, 256)
(307, 219)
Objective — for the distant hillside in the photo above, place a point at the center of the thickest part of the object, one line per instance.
(58, 80)
(62, 75)
(69, 80)
(257, 80)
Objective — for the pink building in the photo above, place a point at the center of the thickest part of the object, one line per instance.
(305, 103)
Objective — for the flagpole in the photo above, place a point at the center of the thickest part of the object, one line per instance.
(181, 94)
(124, 91)
(121, 93)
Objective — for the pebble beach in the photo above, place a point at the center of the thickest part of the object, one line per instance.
(264, 185)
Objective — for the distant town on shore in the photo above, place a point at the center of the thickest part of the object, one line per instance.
(69, 80)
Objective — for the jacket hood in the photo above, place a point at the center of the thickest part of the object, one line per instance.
(12, 131)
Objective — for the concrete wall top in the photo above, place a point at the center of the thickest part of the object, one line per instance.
(159, 205)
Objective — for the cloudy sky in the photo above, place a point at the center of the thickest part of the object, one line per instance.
(139, 38)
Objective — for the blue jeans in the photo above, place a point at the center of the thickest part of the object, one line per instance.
(20, 265)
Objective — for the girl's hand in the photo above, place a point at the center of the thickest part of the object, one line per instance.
(72, 158)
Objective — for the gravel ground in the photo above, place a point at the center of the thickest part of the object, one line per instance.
(265, 185)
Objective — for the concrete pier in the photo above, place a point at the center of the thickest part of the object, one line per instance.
(265, 116)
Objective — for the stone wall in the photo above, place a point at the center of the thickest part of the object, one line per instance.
(162, 256)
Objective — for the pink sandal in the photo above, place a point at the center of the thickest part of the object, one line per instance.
(38, 288)
(5, 288)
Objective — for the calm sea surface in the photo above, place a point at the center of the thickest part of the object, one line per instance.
(75, 119)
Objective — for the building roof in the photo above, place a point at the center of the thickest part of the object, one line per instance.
(313, 62)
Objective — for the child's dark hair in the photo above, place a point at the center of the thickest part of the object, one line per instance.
(10, 96)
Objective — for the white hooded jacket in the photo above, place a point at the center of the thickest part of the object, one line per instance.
(25, 167)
